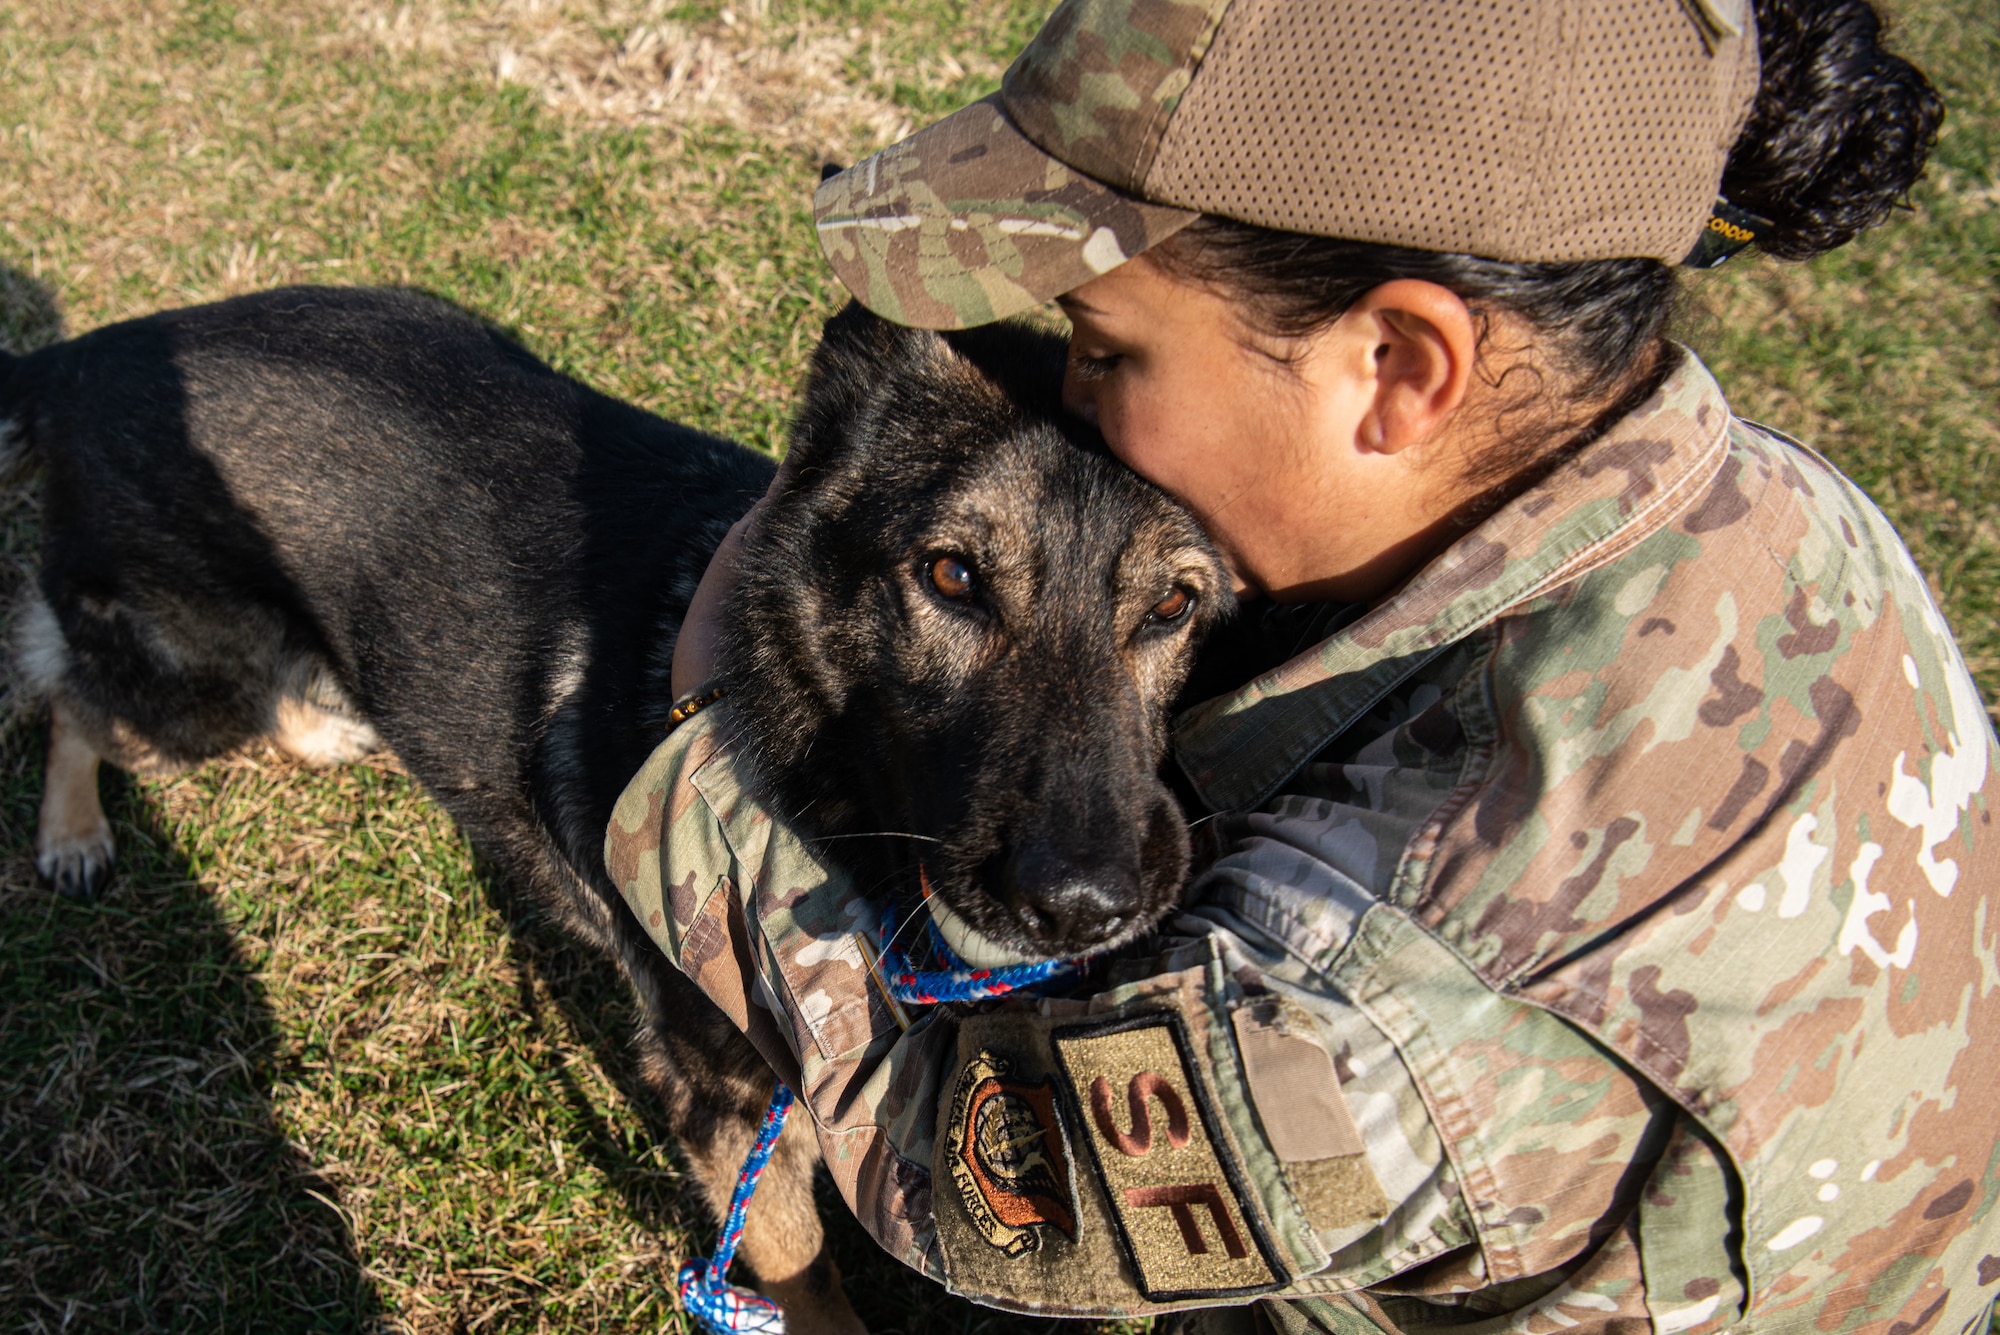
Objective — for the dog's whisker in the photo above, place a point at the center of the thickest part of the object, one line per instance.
(876, 834)
(908, 922)
(880, 881)
(737, 730)
(896, 936)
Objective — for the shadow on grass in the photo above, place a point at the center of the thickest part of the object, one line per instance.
(29, 314)
(145, 1183)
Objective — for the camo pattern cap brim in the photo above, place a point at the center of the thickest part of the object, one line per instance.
(967, 222)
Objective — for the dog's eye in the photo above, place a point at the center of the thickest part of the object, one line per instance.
(951, 577)
(1174, 606)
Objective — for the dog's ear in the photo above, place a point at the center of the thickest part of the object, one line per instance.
(858, 353)
(858, 337)
(1025, 363)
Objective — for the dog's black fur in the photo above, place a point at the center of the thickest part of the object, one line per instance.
(368, 510)
(1019, 724)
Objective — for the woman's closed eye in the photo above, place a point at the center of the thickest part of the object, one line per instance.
(1088, 367)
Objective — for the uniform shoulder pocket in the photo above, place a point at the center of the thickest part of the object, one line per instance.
(1121, 1158)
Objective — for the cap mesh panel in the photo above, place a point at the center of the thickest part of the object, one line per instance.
(1571, 130)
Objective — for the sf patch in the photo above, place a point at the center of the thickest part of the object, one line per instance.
(1008, 1162)
(1182, 1211)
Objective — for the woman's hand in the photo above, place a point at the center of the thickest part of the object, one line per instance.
(694, 651)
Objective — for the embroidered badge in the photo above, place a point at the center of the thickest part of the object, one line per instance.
(1180, 1203)
(1008, 1160)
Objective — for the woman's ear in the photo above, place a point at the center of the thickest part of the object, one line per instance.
(1426, 341)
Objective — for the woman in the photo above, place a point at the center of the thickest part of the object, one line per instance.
(1597, 934)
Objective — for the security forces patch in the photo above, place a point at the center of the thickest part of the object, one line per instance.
(1008, 1161)
(1182, 1211)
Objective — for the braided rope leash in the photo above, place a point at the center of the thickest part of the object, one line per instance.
(706, 1294)
(958, 981)
(722, 1308)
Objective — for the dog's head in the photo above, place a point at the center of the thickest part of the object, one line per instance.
(957, 635)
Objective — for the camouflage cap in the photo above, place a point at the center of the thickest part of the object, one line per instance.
(1541, 131)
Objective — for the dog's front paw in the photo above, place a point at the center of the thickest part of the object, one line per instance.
(77, 865)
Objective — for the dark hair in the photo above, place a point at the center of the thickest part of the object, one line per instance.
(1840, 129)
(1837, 136)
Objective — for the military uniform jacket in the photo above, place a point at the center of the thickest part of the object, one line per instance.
(1601, 937)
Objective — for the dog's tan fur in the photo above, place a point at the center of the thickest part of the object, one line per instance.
(313, 721)
(72, 838)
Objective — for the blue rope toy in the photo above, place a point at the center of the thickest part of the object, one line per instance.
(722, 1308)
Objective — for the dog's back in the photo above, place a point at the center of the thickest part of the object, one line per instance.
(319, 513)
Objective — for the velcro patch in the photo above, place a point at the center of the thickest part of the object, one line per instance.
(1305, 1116)
(1009, 1163)
(1183, 1213)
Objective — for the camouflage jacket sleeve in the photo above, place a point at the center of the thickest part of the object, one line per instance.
(1296, 1154)
(1676, 748)
(743, 906)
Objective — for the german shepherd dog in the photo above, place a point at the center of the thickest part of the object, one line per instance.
(344, 518)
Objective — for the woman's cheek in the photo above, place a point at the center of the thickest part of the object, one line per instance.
(1150, 435)
(1133, 443)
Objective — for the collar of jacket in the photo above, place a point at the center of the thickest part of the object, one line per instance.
(1239, 749)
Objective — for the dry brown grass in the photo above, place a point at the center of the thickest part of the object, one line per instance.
(790, 82)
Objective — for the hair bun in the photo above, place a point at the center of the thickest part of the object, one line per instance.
(1840, 130)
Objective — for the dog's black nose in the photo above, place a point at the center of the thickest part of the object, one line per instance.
(1066, 905)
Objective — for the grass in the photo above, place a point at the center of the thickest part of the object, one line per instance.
(297, 1072)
